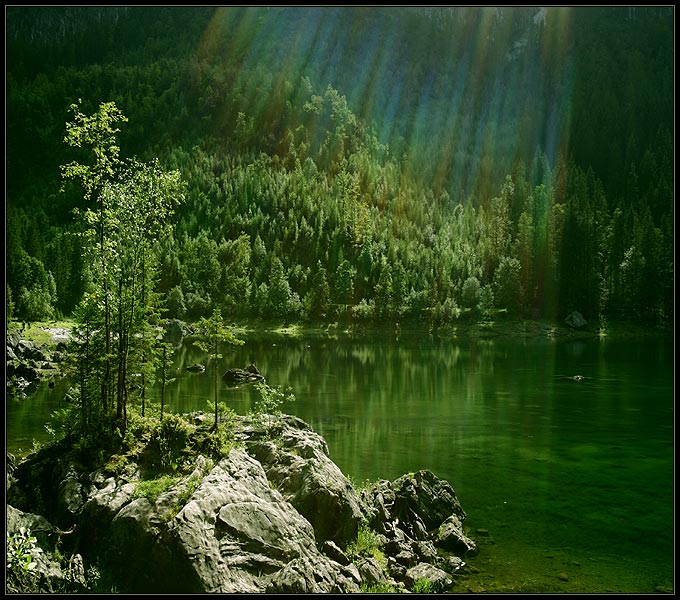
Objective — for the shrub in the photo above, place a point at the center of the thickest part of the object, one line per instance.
(270, 402)
(168, 441)
(471, 292)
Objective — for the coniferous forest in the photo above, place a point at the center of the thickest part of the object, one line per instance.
(340, 164)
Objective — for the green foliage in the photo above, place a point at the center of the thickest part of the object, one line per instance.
(215, 443)
(378, 588)
(471, 294)
(364, 485)
(187, 490)
(176, 306)
(22, 575)
(167, 444)
(507, 284)
(152, 488)
(22, 548)
(423, 586)
(268, 406)
(367, 544)
(215, 333)
(9, 305)
(117, 317)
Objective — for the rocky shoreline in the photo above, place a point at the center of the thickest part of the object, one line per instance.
(28, 363)
(273, 515)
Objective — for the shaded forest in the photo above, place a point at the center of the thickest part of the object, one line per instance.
(358, 164)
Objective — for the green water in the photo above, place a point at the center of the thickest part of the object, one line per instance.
(572, 480)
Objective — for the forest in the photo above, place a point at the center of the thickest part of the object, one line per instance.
(341, 164)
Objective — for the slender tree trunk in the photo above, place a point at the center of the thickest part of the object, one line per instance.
(106, 394)
(215, 375)
(143, 304)
(165, 355)
(83, 369)
(121, 351)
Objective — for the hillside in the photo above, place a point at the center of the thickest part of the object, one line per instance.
(351, 163)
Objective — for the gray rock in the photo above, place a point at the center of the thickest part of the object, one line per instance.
(238, 376)
(275, 518)
(13, 339)
(406, 557)
(235, 534)
(451, 537)
(70, 494)
(77, 570)
(105, 498)
(298, 465)
(419, 502)
(439, 579)
(575, 320)
(334, 552)
(454, 564)
(29, 351)
(22, 370)
(175, 331)
(425, 550)
(308, 576)
(370, 571)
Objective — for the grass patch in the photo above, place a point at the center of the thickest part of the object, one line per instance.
(35, 331)
(367, 544)
(378, 588)
(423, 586)
(153, 488)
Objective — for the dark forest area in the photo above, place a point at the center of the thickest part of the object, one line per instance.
(347, 164)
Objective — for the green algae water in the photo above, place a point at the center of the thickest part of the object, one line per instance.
(561, 452)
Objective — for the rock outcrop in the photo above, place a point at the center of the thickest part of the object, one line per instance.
(175, 331)
(238, 376)
(27, 364)
(575, 320)
(275, 515)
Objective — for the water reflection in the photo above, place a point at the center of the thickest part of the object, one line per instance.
(545, 461)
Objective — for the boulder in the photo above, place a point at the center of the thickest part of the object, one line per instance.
(22, 370)
(420, 501)
(29, 351)
(175, 331)
(319, 576)
(238, 376)
(575, 320)
(299, 466)
(450, 537)
(439, 580)
(13, 339)
(235, 534)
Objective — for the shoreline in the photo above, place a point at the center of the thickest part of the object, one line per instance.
(51, 333)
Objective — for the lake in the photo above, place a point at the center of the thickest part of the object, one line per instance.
(568, 482)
